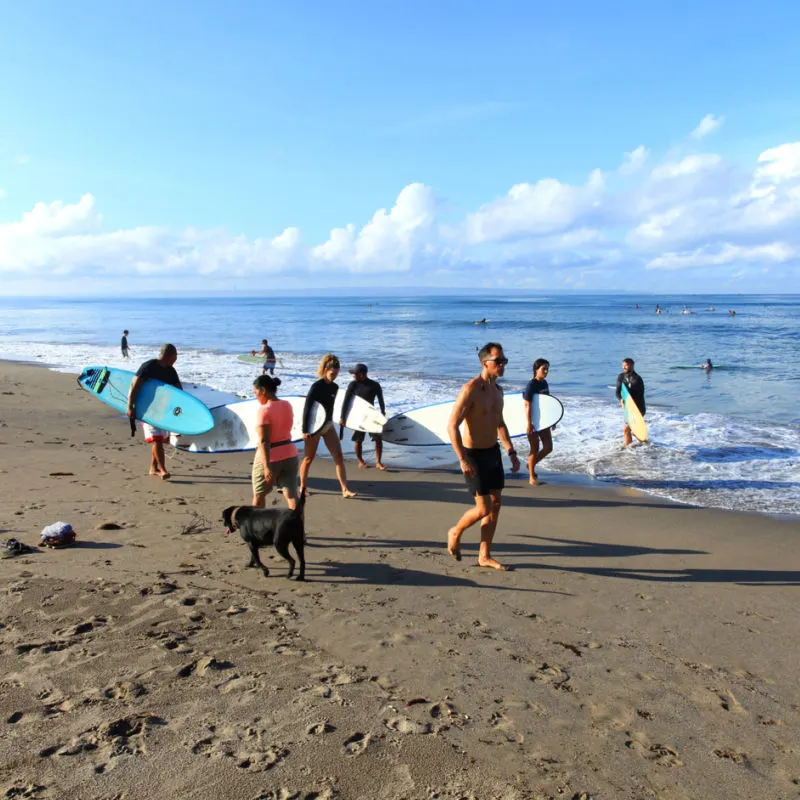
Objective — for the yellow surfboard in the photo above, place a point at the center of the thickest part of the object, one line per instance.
(633, 416)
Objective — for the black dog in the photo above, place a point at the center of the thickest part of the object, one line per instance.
(260, 527)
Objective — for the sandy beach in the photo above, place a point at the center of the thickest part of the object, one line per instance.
(636, 650)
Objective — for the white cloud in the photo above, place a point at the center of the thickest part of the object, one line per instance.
(779, 163)
(528, 209)
(22, 159)
(698, 212)
(632, 162)
(389, 241)
(707, 125)
(777, 252)
(686, 166)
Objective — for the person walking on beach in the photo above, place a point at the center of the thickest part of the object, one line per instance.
(635, 385)
(275, 462)
(323, 392)
(162, 369)
(537, 385)
(124, 345)
(269, 357)
(480, 407)
(369, 390)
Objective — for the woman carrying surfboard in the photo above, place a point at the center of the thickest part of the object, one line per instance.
(537, 385)
(275, 462)
(323, 392)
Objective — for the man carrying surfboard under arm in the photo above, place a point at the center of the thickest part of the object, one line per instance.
(635, 385)
(479, 407)
(369, 390)
(162, 369)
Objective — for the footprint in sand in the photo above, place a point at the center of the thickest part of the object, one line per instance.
(730, 754)
(35, 790)
(124, 690)
(244, 746)
(660, 753)
(553, 674)
(321, 728)
(406, 725)
(356, 744)
(729, 701)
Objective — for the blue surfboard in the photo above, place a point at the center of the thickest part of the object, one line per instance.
(157, 403)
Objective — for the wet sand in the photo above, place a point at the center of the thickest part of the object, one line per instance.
(636, 649)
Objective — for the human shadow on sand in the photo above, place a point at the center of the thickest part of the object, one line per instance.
(456, 492)
(743, 577)
(387, 575)
(544, 547)
(215, 479)
(82, 544)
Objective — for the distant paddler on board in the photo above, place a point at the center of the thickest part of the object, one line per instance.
(630, 393)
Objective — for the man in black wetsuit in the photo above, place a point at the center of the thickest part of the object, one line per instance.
(367, 389)
(635, 385)
(162, 369)
(123, 345)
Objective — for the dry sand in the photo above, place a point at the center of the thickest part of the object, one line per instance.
(637, 650)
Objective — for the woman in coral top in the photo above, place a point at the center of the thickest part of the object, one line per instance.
(275, 463)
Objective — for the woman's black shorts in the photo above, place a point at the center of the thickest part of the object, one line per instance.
(489, 473)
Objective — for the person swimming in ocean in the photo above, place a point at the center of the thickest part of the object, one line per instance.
(707, 365)
(482, 321)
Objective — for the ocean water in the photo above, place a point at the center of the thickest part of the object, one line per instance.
(728, 439)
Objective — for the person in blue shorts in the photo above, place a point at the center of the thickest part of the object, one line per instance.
(269, 357)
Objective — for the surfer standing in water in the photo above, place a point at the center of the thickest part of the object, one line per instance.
(480, 407)
(162, 369)
(537, 385)
(635, 386)
(269, 357)
(123, 345)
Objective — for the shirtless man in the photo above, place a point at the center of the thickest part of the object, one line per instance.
(480, 407)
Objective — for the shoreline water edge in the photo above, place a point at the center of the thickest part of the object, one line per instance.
(726, 439)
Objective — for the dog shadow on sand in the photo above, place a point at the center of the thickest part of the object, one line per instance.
(371, 574)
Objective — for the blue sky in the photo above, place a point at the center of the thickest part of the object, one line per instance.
(192, 145)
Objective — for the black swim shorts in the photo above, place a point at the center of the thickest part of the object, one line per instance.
(359, 436)
(489, 473)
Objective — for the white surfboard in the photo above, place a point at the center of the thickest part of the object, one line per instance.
(235, 424)
(427, 426)
(235, 427)
(362, 416)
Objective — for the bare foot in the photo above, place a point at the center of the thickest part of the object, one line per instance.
(534, 480)
(153, 472)
(491, 564)
(347, 494)
(363, 465)
(380, 466)
(165, 476)
(454, 544)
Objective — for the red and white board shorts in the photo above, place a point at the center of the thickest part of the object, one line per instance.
(152, 434)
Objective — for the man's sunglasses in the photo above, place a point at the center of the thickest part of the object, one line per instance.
(499, 361)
